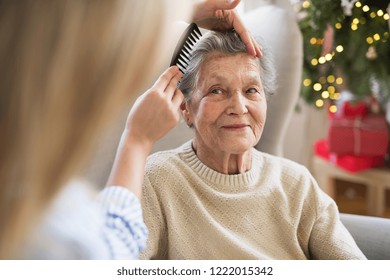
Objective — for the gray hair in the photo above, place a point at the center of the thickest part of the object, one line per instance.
(228, 43)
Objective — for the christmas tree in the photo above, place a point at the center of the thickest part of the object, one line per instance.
(346, 46)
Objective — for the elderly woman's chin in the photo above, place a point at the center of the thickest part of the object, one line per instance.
(237, 143)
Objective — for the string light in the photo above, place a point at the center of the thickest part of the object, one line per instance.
(338, 25)
(333, 108)
(355, 21)
(334, 96)
(331, 79)
(339, 48)
(317, 86)
(377, 37)
(306, 4)
(325, 94)
(319, 103)
(386, 17)
(369, 40)
(358, 4)
(306, 82)
(339, 81)
(380, 13)
(313, 41)
(328, 57)
(314, 62)
(322, 60)
(354, 27)
(365, 8)
(331, 89)
(372, 14)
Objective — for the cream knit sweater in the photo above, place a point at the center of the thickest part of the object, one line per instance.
(274, 211)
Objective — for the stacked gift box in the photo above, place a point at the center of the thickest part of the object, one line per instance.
(357, 138)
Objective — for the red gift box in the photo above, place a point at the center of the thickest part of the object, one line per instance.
(366, 136)
(349, 163)
(355, 110)
(350, 110)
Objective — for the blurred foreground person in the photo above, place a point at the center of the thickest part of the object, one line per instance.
(68, 68)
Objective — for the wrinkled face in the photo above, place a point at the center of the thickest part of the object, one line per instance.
(228, 107)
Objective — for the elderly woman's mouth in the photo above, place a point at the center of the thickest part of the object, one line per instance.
(238, 126)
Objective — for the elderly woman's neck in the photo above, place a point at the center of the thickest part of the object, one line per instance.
(225, 163)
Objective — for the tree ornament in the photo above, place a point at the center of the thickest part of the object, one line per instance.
(371, 53)
(347, 6)
(328, 40)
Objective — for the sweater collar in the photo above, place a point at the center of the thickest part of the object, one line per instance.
(223, 182)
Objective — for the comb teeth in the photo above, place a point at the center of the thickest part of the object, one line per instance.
(187, 49)
(184, 58)
(182, 54)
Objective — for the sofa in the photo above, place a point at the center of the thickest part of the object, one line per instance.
(371, 234)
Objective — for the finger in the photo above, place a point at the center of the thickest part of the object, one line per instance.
(259, 50)
(165, 78)
(226, 4)
(178, 98)
(249, 42)
(170, 89)
(241, 30)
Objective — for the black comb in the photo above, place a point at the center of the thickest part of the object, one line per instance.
(182, 54)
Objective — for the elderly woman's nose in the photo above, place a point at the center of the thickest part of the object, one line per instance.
(237, 104)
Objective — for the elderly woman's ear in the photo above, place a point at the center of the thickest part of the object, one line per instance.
(186, 114)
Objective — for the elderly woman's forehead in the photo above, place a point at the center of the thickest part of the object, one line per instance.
(216, 55)
(219, 59)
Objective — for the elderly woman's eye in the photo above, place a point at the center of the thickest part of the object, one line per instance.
(252, 90)
(216, 91)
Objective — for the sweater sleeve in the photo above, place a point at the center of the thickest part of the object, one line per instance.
(79, 225)
(329, 239)
(124, 228)
(157, 241)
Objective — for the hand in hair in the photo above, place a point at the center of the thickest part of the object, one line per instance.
(220, 15)
(157, 111)
(153, 115)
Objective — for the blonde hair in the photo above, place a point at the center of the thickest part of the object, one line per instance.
(67, 68)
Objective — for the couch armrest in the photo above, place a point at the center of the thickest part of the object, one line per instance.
(371, 234)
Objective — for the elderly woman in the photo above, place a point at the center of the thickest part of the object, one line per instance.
(216, 197)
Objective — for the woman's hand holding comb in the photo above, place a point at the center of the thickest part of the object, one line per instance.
(153, 115)
(156, 112)
(220, 15)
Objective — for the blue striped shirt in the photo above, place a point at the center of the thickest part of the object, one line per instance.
(79, 225)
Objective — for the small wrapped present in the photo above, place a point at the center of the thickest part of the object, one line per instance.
(355, 110)
(366, 136)
(349, 107)
(350, 163)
